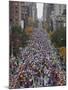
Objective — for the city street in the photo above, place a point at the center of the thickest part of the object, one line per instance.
(37, 34)
(38, 64)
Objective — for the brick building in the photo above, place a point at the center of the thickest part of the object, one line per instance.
(18, 11)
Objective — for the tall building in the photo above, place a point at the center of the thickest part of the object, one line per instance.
(14, 13)
(57, 16)
(58, 9)
(33, 11)
(45, 11)
(53, 14)
(18, 12)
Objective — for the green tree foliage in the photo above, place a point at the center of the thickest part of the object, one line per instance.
(59, 37)
(18, 38)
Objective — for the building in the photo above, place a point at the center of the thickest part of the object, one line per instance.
(53, 15)
(44, 11)
(32, 12)
(14, 13)
(47, 9)
(57, 16)
(60, 15)
(18, 13)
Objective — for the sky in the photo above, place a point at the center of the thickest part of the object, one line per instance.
(39, 10)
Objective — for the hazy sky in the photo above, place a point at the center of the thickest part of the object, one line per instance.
(39, 10)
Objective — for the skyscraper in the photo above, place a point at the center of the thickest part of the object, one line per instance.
(18, 12)
(53, 15)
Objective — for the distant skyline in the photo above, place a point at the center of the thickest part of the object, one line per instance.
(39, 10)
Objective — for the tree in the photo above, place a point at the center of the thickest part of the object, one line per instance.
(59, 37)
(18, 38)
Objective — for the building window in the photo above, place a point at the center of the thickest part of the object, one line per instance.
(16, 11)
(10, 20)
(16, 3)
